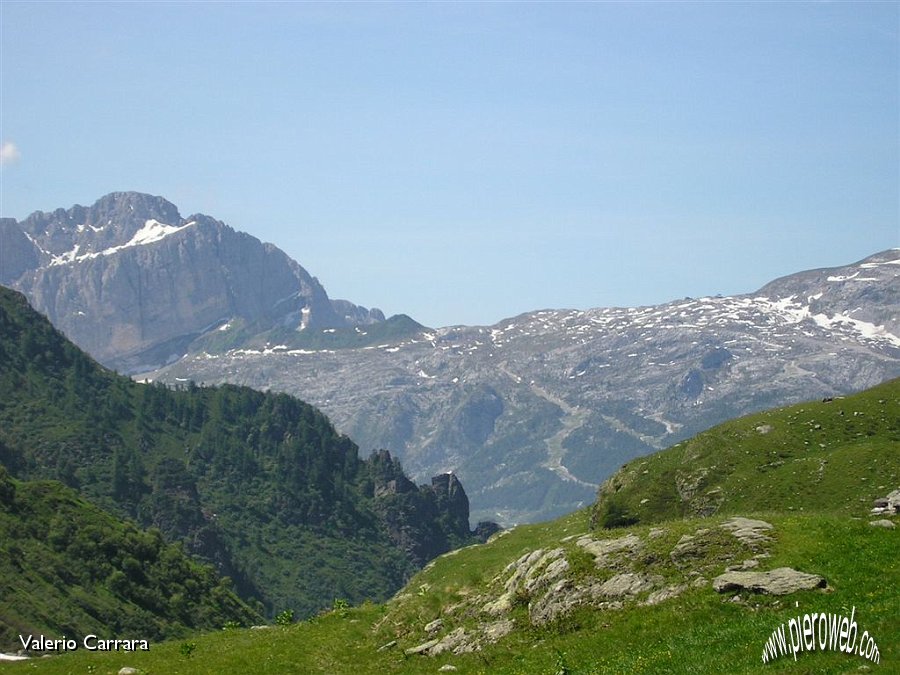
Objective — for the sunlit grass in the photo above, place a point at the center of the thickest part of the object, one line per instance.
(700, 631)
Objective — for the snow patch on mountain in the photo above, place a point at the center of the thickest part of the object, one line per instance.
(152, 232)
(793, 312)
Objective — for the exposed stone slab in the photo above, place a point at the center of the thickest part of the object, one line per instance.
(628, 583)
(421, 649)
(779, 581)
(751, 532)
(664, 594)
(604, 549)
(449, 642)
(499, 629)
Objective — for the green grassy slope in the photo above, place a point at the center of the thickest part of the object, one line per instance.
(696, 630)
(832, 456)
(700, 631)
(68, 568)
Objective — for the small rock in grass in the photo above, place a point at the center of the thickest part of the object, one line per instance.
(434, 626)
(884, 522)
(420, 649)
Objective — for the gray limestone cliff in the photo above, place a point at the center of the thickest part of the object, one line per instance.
(134, 283)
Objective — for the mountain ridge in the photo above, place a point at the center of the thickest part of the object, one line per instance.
(134, 283)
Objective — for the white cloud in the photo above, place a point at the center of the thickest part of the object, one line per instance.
(9, 153)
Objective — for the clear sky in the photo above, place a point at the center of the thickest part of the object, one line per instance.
(462, 162)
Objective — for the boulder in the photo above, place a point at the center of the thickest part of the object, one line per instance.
(779, 581)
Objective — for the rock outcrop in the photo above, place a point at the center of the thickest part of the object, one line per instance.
(623, 570)
(888, 506)
(427, 520)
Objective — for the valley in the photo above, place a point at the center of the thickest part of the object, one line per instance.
(662, 593)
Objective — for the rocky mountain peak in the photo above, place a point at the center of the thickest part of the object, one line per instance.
(134, 283)
(111, 221)
(131, 207)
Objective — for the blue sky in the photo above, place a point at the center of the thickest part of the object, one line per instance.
(465, 162)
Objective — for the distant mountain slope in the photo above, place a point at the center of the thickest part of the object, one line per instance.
(68, 568)
(259, 484)
(133, 283)
(535, 412)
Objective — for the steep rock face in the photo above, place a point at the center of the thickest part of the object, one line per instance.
(423, 521)
(356, 315)
(535, 412)
(17, 253)
(452, 500)
(132, 282)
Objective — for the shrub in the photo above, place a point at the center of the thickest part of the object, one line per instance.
(285, 618)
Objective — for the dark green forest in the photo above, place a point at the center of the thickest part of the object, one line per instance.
(69, 568)
(258, 484)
